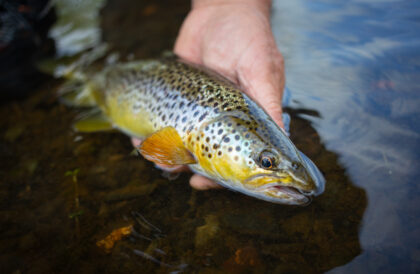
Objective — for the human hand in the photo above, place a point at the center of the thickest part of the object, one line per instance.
(234, 38)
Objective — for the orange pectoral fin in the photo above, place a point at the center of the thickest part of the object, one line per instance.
(165, 147)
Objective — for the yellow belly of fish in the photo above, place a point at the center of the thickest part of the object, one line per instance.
(136, 124)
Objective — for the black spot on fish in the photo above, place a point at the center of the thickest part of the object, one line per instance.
(238, 148)
(227, 140)
(236, 137)
(220, 131)
(202, 117)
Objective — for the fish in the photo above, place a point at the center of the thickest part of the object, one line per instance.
(187, 114)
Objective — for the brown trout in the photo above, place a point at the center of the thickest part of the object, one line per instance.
(190, 115)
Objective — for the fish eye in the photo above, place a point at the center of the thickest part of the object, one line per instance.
(266, 160)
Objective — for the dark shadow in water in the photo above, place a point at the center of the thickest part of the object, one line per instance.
(44, 229)
(213, 230)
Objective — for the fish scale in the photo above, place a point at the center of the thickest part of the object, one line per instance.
(188, 114)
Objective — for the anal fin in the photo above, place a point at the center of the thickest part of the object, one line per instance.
(93, 122)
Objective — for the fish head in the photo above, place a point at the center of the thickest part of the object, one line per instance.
(259, 160)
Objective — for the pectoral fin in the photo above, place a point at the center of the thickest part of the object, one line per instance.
(165, 147)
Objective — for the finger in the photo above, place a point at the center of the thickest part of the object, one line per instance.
(136, 142)
(202, 183)
(262, 77)
(173, 168)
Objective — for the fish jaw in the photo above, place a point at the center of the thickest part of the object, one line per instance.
(314, 174)
(281, 189)
(284, 195)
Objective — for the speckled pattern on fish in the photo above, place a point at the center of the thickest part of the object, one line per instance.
(231, 138)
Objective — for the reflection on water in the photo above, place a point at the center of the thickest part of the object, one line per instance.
(360, 61)
(353, 106)
(77, 28)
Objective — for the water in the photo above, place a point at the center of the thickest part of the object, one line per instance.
(360, 61)
(351, 68)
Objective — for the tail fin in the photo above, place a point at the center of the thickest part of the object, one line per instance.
(73, 67)
(76, 91)
(78, 68)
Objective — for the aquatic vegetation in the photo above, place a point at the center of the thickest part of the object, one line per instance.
(75, 215)
(206, 232)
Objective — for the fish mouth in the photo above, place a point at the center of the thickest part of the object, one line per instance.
(279, 189)
(285, 194)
